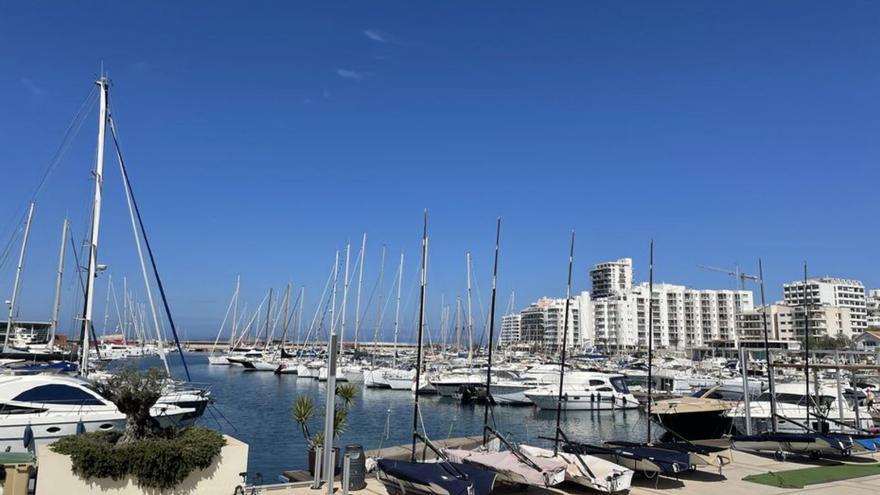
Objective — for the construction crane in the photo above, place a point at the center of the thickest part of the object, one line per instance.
(738, 275)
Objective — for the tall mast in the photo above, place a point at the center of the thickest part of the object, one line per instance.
(299, 314)
(807, 346)
(268, 318)
(421, 326)
(56, 306)
(235, 313)
(357, 306)
(379, 307)
(333, 297)
(470, 319)
(651, 334)
(564, 345)
(96, 226)
(344, 295)
(17, 285)
(491, 335)
(767, 350)
(286, 315)
(397, 307)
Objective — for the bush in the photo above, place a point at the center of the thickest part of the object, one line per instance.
(162, 462)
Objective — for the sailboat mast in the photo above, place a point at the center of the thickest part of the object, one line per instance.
(96, 227)
(807, 347)
(17, 285)
(491, 335)
(397, 307)
(421, 326)
(772, 378)
(564, 345)
(357, 306)
(470, 319)
(234, 313)
(651, 335)
(268, 318)
(344, 295)
(56, 306)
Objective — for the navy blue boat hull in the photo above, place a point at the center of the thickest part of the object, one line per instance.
(434, 478)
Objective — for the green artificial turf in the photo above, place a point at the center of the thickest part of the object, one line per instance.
(798, 478)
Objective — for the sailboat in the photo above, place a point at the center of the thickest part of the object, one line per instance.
(512, 465)
(430, 478)
(810, 442)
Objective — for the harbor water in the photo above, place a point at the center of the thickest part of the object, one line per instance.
(256, 407)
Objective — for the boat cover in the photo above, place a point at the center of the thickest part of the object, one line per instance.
(603, 475)
(511, 468)
(440, 478)
(667, 461)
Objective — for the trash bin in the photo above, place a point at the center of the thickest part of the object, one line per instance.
(357, 468)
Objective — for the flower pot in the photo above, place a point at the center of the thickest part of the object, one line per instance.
(337, 462)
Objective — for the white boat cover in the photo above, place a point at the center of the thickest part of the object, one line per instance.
(511, 469)
(606, 476)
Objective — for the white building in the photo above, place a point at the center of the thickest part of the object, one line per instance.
(873, 308)
(828, 291)
(612, 278)
(543, 322)
(510, 329)
(786, 322)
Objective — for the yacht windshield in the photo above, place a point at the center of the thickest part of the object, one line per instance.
(619, 384)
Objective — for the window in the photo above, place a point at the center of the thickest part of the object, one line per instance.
(59, 394)
(596, 383)
(619, 384)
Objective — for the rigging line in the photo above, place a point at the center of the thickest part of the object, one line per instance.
(147, 244)
(67, 138)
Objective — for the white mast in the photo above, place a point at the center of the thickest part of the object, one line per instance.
(56, 307)
(357, 306)
(333, 297)
(299, 315)
(344, 294)
(470, 319)
(17, 285)
(397, 309)
(234, 313)
(96, 226)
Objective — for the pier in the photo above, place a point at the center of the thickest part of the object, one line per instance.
(699, 482)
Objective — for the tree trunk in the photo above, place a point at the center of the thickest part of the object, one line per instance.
(139, 425)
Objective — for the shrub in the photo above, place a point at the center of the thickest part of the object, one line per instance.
(159, 462)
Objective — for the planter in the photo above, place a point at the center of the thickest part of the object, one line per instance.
(54, 475)
(312, 461)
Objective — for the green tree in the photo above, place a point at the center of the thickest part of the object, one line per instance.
(134, 393)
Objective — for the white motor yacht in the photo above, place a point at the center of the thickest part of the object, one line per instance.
(55, 406)
(585, 391)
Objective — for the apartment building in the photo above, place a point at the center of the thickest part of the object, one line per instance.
(830, 291)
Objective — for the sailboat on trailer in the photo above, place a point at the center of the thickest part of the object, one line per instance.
(512, 465)
(430, 478)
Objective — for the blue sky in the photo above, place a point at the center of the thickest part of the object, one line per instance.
(261, 136)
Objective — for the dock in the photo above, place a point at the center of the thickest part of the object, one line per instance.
(704, 481)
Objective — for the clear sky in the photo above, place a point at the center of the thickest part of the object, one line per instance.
(261, 136)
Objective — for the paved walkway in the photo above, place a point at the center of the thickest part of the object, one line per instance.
(701, 482)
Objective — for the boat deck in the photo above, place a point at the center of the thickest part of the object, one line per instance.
(701, 482)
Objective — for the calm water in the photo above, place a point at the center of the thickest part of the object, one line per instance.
(259, 405)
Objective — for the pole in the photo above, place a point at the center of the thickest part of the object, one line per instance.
(650, 335)
(96, 228)
(807, 346)
(345, 293)
(772, 378)
(56, 306)
(330, 412)
(424, 283)
(470, 319)
(744, 365)
(564, 345)
(397, 308)
(357, 306)
(491, 335)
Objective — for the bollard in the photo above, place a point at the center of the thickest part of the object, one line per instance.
(316, 483)
(346, 472)
(330, 472)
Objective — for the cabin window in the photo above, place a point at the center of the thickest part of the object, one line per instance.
(59, 394)
(605, 389)
(619, 384)
(596, 383)
(10, 409)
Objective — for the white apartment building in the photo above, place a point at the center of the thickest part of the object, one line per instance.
(828, 291)
(873, 309)
(786, 322)
(612, 278)
(510, 329)
(543, 322)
